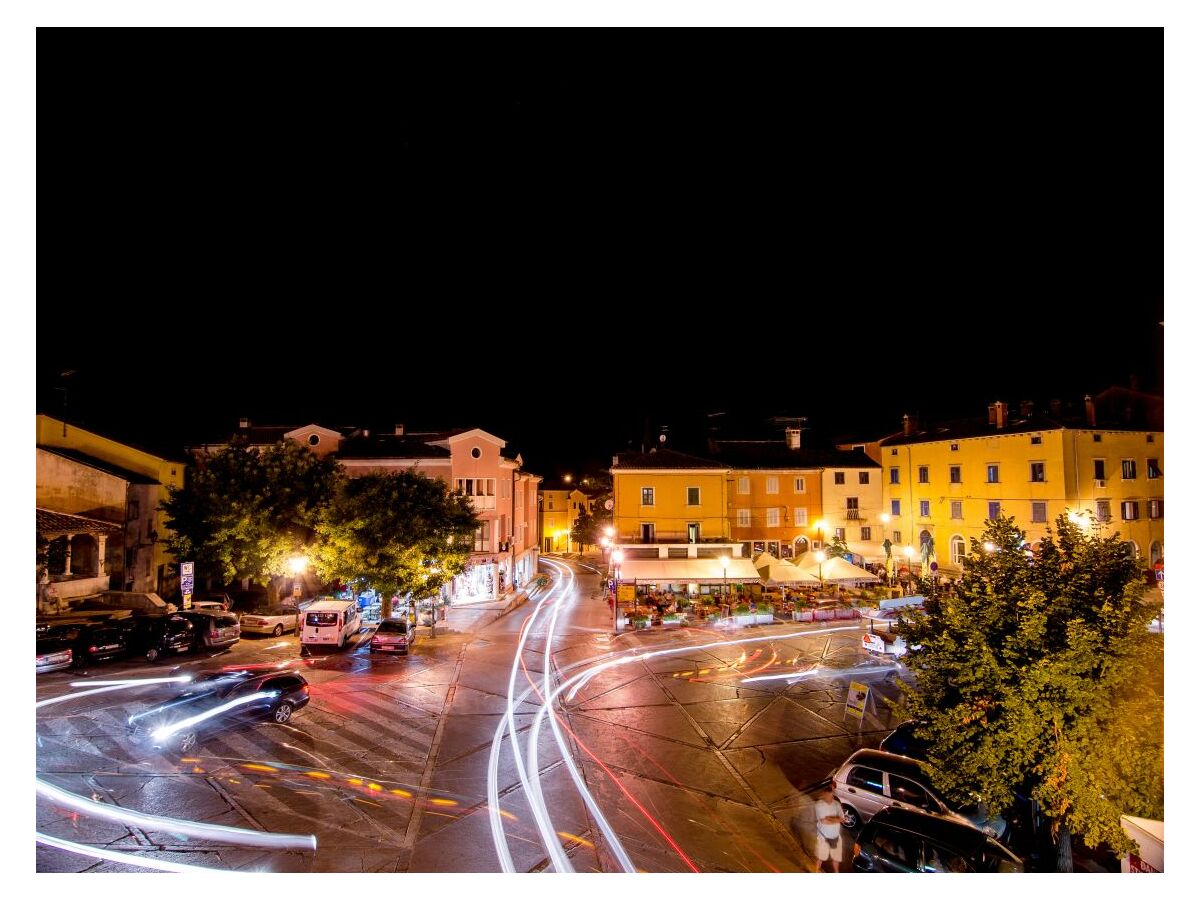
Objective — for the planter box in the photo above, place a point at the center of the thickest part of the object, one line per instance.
(673, 620)
(744, 618)
(823, 615)
(802, 616)
(845, 614)
(764, 618)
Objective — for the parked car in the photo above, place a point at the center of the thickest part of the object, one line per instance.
(53, 654)
(870, 780)
(156, 636)
(904, 741)
(181, 722)
(900, 840)
(91, 642)
(260, 617)
(218, 600)
(211, 630)
(330, 622)
(393, 636)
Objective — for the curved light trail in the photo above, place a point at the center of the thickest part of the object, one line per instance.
(145, 862)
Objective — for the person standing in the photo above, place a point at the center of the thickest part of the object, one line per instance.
(829, 830)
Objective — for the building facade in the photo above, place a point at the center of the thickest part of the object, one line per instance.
(943, 483)
(561, 508)
(103, 482)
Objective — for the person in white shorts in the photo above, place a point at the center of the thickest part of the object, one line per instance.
(829, 830)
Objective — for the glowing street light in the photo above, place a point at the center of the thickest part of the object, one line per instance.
(820, 555)
(724, 561)
(618, 556)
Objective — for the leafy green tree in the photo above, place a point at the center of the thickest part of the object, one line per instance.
(1026, 676)
(584, 531)
(396, 533)
(836, 546)
(246, 512)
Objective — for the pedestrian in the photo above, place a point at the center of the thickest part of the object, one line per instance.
(829, 830)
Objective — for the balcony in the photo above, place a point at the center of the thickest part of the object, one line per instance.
(853, 515)
(481, 503)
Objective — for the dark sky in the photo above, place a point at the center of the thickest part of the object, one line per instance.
(841, 227)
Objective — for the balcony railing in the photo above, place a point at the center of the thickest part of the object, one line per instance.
(479, 503)
(853, 515)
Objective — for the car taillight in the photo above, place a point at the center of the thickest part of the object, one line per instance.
(305, 689)
(91, 649)
(857, 849)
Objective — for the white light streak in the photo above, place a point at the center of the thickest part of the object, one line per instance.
(145, 862)
(167, 730)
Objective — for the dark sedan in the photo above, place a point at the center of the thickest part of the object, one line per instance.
(88, 642)
(156, 636)
(215, 701)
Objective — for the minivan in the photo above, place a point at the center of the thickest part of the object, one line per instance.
(899, 840)
(330, 622)
(870, 780)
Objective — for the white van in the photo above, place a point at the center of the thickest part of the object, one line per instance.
(330, 622)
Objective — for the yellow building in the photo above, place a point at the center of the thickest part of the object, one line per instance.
(561, 508)
(942, 483)
(128, 485)
(669, 497)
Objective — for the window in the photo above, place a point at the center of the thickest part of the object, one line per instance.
(647, 496)
(1154, 509)
(851, 507)
(870, 780)
(483, 536)
(1098, 469)
(476, 453)
(743, 484)
(549, 503)
(864, 477)
(993, 474)
(693, 531)
(772, 484)
(135, 510)
(693, 496)
(1039, 511)
(954, 448)
(893, 476)
(956, 474)
(313, 440)
(958, 549)
(895, 452)
(909, 792)
(1129, 510)
(924, 506)
(743, 518)
(993, 509)
(839, 477)
(956, 509)
(922, 474)
(1152, 469)
(1149, 440)
(476, 487)
(1128, 469)
(864, 534)
(801, 516)
(647, 532)
(840, 533)
(895, 507)
(895, 537)
(1036, 439)
(1104, 510)
(773, 517)
(1095, 438)
(1037, 471)
(798, 485)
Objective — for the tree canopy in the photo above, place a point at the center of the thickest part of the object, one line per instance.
(585, 531)
(397, 533)
(245, 512)
(1036, 674)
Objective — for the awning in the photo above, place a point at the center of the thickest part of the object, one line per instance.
(707, 571)
(52, 524)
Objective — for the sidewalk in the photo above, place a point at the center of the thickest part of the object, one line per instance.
(474, 616)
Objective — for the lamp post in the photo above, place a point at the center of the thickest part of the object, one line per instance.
(617, 557)
(819, 525)
(297, 564)
(820, 555)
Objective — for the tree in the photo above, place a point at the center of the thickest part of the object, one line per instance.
(245, 512)
(1023, 676)
(397, 533)
(836, 546)
(584, 530)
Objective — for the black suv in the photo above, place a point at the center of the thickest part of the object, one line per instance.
(156, 636)
(898, 840)
(89, 642)
(215, 701)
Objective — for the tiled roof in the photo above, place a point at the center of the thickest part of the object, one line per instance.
(777, 455)
(126, 474)
(665, 459)
(974, 427)
(54, 523)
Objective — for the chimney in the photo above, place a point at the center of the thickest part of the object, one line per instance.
(1056, 408)
(1089, 407)
(991, 414)
(243, 423)
(910, 427)
(1026, 409)
(792, 436)
(1001, 416)
(400, 430)
(616, 460)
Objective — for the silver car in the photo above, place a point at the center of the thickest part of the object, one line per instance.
(271, 620)
(871, 780)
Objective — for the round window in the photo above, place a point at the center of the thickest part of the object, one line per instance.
(476, 452)
(313, 440)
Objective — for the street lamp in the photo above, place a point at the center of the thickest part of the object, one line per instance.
(820, 555)
(820, 526)
(297, 564)
(617, 557)
(724, 561)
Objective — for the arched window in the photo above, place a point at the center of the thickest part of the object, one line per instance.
(801, 545)
(958, 549)
(1131, 550)
(1155, 552)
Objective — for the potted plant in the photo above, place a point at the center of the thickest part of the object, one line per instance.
(640, 622)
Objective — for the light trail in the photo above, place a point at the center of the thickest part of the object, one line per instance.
(109, 686)
(221, 833)
(827, 673)
(162, 865)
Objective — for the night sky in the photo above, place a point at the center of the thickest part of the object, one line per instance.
(575, 257)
